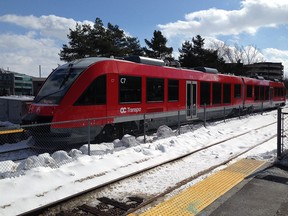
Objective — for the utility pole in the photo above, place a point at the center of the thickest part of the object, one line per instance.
(40, 71)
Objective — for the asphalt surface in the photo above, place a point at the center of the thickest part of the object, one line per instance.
(263, 193)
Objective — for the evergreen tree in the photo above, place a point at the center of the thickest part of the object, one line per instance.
(99, 40)
(87, 41)
(157, 47)
(193, 54)
(116, 38)
(186, 54)
(133, 46)
(198, 46)
(79, 45)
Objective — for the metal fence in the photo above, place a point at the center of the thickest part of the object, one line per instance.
(58, 143)
(282, 132)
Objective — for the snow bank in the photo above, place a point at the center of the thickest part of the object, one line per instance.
(58, 158)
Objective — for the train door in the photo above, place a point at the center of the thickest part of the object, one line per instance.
(191, 94)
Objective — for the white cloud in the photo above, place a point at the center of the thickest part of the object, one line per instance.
(254, 14)
(213, 22)
(39, 45)
(24, 53)
(48, 26)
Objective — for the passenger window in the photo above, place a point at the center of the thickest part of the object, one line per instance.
(262, 92)
(256, 94)
(155, 89)
(276, 92)
(227, 94)
(283, 90)
(237, 91)
(130, 89)
(249, 91)
(173, 90)
(266, 92)
(95, 94)
(205, 93)
(217, 88)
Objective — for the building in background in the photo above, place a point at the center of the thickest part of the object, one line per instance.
(267, 70)
(22, 84)
(12, 83)
(6, 83)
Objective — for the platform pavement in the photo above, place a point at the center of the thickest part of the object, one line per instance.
(266, 193)
(248, 187)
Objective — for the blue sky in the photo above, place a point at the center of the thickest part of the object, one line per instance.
(32, 32)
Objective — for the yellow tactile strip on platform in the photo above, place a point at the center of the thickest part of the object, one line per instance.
(11, 131)
(199, 196)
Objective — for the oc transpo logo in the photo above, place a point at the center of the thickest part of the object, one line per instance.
(124, 110)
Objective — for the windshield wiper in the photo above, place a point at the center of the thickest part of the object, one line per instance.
(67, 75)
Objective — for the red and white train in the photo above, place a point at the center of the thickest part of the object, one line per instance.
(115, 94)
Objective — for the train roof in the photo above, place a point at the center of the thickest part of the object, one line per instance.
(86, 62)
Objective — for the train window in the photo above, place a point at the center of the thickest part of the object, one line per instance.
(237, 91)
(256, 94)
(275, 92)
(130, 89)
(262, 92)
(95, 94)
(155, 89)
(227, 93)
(279, 92)
(173, 90)
(217, 88)
(266, 92)
(282, 92)
(249, 91)
(204, 93)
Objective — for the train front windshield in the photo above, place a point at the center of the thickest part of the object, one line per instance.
(57, 84)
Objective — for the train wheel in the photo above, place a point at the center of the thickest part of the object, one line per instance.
(110, 132)
(130, 128)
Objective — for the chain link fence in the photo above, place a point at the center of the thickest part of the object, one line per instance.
(55, 144)
(282, 132)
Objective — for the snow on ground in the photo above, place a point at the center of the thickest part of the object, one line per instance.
(18, 97)
(42, 179)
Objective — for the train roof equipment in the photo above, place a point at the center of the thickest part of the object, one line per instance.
(207, 70)
(145, 60)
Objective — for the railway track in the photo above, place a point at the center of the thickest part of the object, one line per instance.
(104, 199)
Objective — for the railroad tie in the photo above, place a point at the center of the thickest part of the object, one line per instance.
(92, 210)
(114, 203)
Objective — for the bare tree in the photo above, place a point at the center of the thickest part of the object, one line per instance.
(237, 54)
(252, 54)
